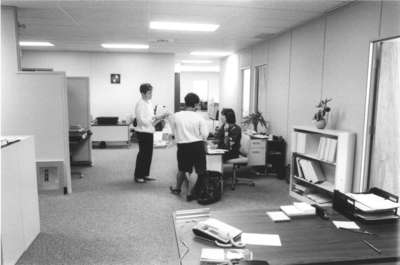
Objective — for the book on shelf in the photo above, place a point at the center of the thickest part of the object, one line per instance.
(301, 139)
(327, 149)
(300, 188)
(299, 171)
(318, 198)
(312, 171)
(332, 150)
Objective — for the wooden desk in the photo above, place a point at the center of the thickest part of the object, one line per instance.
(307, 240)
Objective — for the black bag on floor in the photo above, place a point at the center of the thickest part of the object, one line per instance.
(213, 188)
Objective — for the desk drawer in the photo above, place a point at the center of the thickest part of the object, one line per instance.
(256, 157)
(258, 144)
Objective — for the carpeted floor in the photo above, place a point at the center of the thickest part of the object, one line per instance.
(109, 219)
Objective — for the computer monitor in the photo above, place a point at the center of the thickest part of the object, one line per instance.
(213, 110)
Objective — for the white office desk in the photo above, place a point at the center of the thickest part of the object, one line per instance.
(110, 133)
(214, 162)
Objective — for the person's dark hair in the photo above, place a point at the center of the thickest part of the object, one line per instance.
(144, 88)
(191, 100)
(229, 115)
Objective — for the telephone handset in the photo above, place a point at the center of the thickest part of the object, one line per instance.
(224, 235)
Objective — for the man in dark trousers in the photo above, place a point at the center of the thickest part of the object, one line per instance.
(190, 131)
(146, 120)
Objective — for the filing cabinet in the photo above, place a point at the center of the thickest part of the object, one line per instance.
(257, 152)
(275, 157)
(270, 154)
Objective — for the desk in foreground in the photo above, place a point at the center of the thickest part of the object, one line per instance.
(307, 240)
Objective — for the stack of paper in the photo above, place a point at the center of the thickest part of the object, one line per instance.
(298, 209)
(371, 202)
(278, 216)
(219, 255)
(346, 225)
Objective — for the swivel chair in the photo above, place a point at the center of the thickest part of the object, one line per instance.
(241, 161)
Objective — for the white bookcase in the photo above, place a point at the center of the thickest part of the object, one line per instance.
(330, 150)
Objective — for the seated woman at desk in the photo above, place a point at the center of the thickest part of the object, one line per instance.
(229, 134)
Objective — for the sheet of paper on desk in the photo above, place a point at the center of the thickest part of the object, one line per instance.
(261, 239)
(346, 224)
(212, 254)
(278, 216)
(216, 151)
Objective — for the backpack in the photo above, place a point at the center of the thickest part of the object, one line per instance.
(213, 189)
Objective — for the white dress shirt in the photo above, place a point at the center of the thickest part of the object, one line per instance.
(189, 127)
(145, 116)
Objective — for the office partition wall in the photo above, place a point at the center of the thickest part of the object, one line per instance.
(382, 147)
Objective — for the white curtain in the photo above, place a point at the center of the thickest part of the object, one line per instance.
(385, 156)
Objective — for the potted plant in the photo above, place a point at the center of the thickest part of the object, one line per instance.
(320, 117)
(254, 119)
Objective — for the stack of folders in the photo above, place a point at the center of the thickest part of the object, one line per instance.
(373, 207)
(310, 170)
(327, 149)
(298, 209)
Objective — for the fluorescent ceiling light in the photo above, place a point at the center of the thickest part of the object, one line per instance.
(124, 46)
(164, 25)
(196, 61)
(36, 43)
(210, 53)
(191, 68)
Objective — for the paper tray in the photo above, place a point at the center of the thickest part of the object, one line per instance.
(346, 206)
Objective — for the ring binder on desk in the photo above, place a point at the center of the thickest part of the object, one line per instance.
(353, 208)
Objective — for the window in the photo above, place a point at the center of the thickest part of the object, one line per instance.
(381, 151)
(245, 92)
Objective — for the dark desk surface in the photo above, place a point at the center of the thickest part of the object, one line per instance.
(305, 240)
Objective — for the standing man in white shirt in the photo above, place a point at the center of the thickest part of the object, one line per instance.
(146, 120)
(191, 132)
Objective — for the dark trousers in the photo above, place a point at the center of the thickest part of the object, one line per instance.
(193, 155)
(145, 154)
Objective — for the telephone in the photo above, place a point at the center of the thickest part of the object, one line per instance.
(224, 235)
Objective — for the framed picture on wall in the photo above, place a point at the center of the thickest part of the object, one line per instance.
(115, 78)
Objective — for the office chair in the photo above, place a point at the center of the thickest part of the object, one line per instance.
(241, 161)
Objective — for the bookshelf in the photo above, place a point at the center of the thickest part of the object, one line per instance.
(322, 161)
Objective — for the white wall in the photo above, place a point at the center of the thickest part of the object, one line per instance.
(230, 84)
(213, 80)
(33, 103)
(108, 99)
(327, 57)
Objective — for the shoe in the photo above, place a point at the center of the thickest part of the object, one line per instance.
(140, 180)
(149, 179)
(191, 198)
(174, 191)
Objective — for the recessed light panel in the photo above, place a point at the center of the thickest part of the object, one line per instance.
(192, 68)
(35, 44)
(196, 61)
(211, 53)
(166, 25)
(124, 46)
